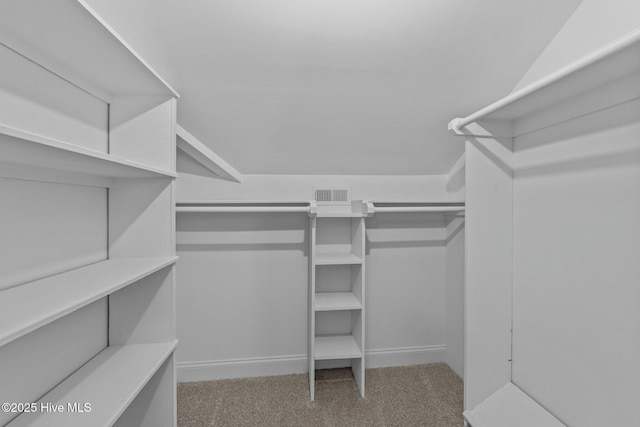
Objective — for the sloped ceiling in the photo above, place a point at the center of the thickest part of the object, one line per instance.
(338, 86)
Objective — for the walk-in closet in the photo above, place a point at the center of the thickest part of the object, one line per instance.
(319, 213)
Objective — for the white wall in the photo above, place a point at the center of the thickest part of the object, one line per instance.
(198, 183)
(242, 292)
(37, 241)
(594, 24)
(576, 248)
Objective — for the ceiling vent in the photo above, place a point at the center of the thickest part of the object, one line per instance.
(332, 196)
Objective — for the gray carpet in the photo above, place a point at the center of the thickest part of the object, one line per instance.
(422, 395)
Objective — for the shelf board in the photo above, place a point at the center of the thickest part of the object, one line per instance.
(28, 307)
(18, 147)
(508, 407)
(203, 155)
(614, 61)
(330, 301)
(110, 382)
(336, 258)
(339, 214)
(80, 47)
(336, 347)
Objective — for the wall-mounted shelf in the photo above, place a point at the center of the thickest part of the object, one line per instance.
(100, 61)
(87, 163)
(109, 382)
(30, 306)
(20, 148)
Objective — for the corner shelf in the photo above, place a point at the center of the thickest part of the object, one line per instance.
(28, 307)
(21, 148)
(110, 382)
(331, 347)
(330, 301)
(510, 406)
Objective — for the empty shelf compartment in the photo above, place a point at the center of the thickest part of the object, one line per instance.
(327, 301)
(337, 258)
(336, 347)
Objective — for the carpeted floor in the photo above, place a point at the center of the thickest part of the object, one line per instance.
(422, 395)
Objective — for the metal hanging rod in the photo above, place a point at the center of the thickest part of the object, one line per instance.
(240, 209)
(263, 207)
(384, 209)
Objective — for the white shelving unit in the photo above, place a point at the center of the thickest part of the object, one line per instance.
(134, 365)
(337, 290)
(87, 168)
(535, 161)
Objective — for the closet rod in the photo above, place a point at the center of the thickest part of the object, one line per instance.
(235, 209)
(553, 78)
(382, 209)
(306, 209)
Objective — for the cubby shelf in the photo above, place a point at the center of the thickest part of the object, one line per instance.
(337, 289)
(110, 382)
(30, 306)
(337, 258)
(336, 347)
(330, 301)
(19, 147)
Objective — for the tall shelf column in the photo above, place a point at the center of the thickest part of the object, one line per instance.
(337, 290)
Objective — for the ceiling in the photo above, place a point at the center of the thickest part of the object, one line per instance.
(342, 86)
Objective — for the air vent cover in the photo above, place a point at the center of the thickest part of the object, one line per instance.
(332, 196)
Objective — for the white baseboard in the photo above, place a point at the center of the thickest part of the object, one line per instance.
(241, 368)
(405, 356)
(297, 364)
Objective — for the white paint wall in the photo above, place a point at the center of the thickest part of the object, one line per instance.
(576, 248)
(39, 241)
(242, 278)
(405, 288)
(62, 112)
(594, 24)
(241, 294)
(198, 183)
